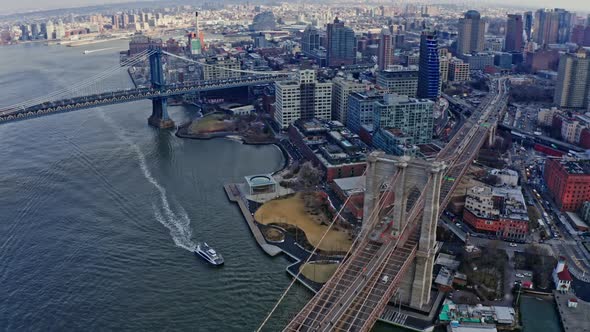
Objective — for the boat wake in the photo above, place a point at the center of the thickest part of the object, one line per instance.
(178, 223)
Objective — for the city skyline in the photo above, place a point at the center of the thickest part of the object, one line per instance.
(25, 6)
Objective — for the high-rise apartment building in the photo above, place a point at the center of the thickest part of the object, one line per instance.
(429, 69)
(514, 33)
(341, 44)
(341, 90)
(400, 122)
(385, 52)
(302, 98)
(399, 80)
(471, 33)
(361, 106)
(573, 80)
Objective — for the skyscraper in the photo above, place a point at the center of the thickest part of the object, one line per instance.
(429, 69)
(471, 33)
(385, 55)
(514, 30)
(341, 44)
(310, 40)
(528, 24)
(573, 80)
(552, 26)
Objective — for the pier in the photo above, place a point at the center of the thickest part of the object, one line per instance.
(234, 195)
(572, 318)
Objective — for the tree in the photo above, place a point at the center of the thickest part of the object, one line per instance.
(542, 263)
(309, 176)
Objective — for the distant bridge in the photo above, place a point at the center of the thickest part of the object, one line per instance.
(60, 102)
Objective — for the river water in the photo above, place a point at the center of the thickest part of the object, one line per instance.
(98, 213)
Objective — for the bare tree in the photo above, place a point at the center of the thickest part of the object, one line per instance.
(309, 176)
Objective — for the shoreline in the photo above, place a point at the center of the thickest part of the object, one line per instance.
(244, 140)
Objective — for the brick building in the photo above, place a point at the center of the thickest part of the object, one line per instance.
(568, 182)
(330, 146)
(497, 210)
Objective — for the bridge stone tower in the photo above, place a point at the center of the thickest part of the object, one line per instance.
(159, 117)
(416, 179)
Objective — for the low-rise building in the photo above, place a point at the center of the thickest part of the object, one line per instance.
(561, 276)
(498, 210)
(329, 145)
(479, 61)
(507, 176)
(220, 67)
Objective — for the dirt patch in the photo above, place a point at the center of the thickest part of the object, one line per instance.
(292, 211)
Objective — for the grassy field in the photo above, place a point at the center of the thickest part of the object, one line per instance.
(210, 123)
(318, 272)
(292, 211)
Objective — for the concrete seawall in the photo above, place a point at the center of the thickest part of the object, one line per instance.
(233, 194)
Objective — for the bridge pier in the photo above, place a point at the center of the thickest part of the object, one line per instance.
(160, 118)
(416, 179)
(420, 294)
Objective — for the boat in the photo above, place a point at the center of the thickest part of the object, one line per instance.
(209, 254)
(86, 52)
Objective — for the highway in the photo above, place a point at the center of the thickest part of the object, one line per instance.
(362, 286)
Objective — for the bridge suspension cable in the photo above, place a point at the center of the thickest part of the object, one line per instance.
(228, 69)
(88, 82)
(83, 84)
(376, 209)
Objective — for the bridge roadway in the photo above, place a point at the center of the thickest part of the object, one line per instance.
(357, 293)
(124, 96)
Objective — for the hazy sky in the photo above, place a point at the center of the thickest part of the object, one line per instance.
(8, 6)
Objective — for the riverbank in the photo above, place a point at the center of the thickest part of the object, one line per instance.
(183, 131)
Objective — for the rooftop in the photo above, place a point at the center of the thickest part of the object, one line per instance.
(576, 167)
(351, 185)
(260, 180)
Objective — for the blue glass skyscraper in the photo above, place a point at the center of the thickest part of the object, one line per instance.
(429, 70)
